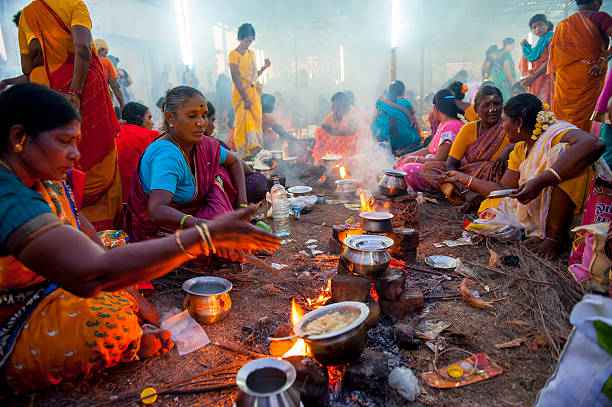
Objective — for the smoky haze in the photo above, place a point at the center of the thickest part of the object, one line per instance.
(303, 40)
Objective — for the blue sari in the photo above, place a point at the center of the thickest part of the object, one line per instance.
(406, 138)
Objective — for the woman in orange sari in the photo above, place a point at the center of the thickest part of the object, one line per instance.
(578, 61)
(60, 31)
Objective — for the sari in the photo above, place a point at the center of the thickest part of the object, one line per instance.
(131, 143)
(445, 133)
(544, 153)
(575, 46)
(326, 144)
(393, 126)
(247, 131)
(102, 195)
(499, 75)
(601, 119)
(209, 200)
(48, 334)
(542, 86)
(470, 114)
(478, 156)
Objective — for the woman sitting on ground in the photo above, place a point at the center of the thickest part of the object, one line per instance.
(447, 112)
(552, 167)
(272, 129)
(396, 121)
(134, 138)
(459, 90)
(256, 183)
(480, 150)
(179, 181)
(65, 310)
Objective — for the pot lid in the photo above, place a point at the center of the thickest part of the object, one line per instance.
(395, 173)
(376, 215)
(368, 243)
(331, 157)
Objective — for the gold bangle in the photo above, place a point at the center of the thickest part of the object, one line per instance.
(204, 244)
(469, 183)
(182, 223)
(557, 176)
(208, 237)
(180, 245)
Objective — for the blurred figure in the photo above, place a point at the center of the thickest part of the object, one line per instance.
(247, 133)
(535, 78)
(504, 73)
(223, 87)
(109, 72)
(161, 86)
(272, 129)
(517, 89)
(125, 80)
(489, 63)
(69, 66)
(341, 130)
(281, 113)
(461, 76)
(20, 78)
(353, 103)
(323, 109)
(134, 138)
(459, 90)
(578, 60)
(396, 121)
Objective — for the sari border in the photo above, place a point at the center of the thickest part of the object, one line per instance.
(30, 230)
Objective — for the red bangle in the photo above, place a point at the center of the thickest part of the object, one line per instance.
(75, 92)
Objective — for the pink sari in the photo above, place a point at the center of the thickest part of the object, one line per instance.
(445, 132)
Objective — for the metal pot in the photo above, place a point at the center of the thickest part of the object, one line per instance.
(345, 186)
(376, 222)
(207, 299)
(277, 155)
(367, 255)
(267, 382)
(393, 183)
(340, 347)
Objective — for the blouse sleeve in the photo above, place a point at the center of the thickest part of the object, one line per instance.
(515, 159)
(461, 142)
(80, 15)
(167, 169)
(234, 57)
(24, 214)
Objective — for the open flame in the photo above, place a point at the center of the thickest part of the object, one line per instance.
(373, 292)
(322, 299)
(343, 173)
(300, 348)
(322, 179)
(367, 203)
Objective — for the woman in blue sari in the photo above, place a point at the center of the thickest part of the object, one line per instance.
(396, 121)
(504, 74)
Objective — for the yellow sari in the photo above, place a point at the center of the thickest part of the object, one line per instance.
(248, 134)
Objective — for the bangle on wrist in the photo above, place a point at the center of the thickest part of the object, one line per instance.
(177, 236)
(182, 223)
(469, 182)
(556, 174)
(243, 205)
(75, 92)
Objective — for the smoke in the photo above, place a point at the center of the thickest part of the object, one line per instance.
(367, 166)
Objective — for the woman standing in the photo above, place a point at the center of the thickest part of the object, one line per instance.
(536, 80)
(504, 74)
(60, 31)
(247, 132)
(489, 63)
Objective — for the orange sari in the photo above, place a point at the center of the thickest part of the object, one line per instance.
(102, 196)
(574, 47)
(326, 144)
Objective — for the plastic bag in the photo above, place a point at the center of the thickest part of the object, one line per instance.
(496, 224)
(186, 332)
(404, 381)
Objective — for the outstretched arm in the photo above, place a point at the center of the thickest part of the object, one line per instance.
(81, 39)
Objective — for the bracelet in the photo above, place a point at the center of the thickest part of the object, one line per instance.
(208, 237)
(203, 241)
(182, 223)
(469, 183)
(180, 245)
(416, 159)
(75, 92)
(557, 176)
(243, 205)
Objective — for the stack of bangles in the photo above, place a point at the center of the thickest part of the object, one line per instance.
(206, 243)
(74, 92)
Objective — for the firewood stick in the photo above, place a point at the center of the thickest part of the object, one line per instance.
(198, 390)
(235, 349)
(506, 274)
(442, 297)
(423, 270)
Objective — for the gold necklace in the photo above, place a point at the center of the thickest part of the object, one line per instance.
(5, 165)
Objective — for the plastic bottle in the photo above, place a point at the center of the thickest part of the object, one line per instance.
(280, 206)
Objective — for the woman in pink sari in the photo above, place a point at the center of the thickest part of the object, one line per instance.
(447, 112)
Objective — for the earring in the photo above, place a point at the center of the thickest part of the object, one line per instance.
(171, 125)
(19, 146)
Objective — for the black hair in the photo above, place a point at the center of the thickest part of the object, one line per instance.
(485, 91)
(211, 108)
(524, 106)
(396, 89)
(457, 88)
(134, 113)
(341, 99)
(267, 103)
(16, 17)
(508, 41)
(486, 83)
(583, 2)
(492, 50)
(35, 107)
(176, 96)
(351, 97)
(245, 30)
(160, 103)
(536, 18)
(551, 26)
(445, 102)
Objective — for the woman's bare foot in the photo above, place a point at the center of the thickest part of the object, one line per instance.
(146, 311)
(154, 341)
(547, 248)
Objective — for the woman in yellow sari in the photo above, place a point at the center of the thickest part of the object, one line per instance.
(550, 167)
(247, 91)
(64, 307)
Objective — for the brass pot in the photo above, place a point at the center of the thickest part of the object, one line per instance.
(393, 183)
(208, 300)
(340, 347)
(367, 255)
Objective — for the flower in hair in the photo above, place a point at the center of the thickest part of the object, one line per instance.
(464, 89)
(544, 120)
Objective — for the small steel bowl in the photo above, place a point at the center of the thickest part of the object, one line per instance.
(376, 222)
(267, 382)
(208, 300)
(340, 347)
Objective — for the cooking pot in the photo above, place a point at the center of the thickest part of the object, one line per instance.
(340, 347)
(376, 222)
(277, 155)
(393, 183)
(367, 255)
(207, 299)
(267, 382)
(345, 186)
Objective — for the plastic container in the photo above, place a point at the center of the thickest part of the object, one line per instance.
(280, 208)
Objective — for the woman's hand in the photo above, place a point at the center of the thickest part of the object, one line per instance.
(530, 190)
(455, 176)
(267, 63)
(472, 200)
(528, 81)
(500, 165)
(598, 67)
(75, 100)
(231, 231)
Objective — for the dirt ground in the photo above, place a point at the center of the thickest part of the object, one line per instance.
(260, 302)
